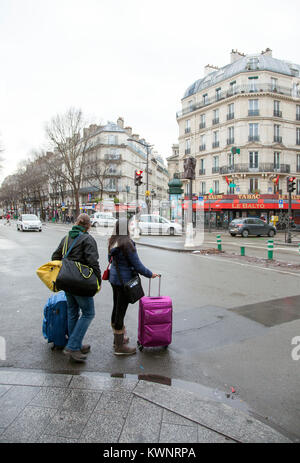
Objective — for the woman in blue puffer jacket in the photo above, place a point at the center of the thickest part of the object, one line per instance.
(121, 249)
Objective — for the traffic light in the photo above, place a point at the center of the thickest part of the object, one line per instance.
(138, 176)
(291, 184)
(235, 150)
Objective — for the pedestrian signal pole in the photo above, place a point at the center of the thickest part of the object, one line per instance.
(291, 186)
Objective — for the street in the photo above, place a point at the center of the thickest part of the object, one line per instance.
(226, 332)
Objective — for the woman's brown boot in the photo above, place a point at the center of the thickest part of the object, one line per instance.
(120, 347)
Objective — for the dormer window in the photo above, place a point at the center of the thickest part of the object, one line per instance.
(252, 64)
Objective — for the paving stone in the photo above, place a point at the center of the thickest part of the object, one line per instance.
(59, 380)
(174, 433)
(48, 439)
(102, 429)
(114, 403)
(207, 436)
(174, 418)
(97, 382)
(81, 401)
(143, 422)
(29, 424)
(24, 378)
(68, 424)
(50, 397)
(4, 389)
(14, 401)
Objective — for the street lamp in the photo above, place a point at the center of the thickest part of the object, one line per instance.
(147, 169)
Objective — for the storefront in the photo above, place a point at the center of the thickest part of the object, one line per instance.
(219, 210)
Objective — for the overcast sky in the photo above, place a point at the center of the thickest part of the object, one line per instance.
(129, 58)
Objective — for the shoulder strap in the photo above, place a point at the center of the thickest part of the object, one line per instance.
(65, 254)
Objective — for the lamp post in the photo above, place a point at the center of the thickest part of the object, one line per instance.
(147, 170)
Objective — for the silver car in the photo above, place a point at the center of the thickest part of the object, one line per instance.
(152, 224)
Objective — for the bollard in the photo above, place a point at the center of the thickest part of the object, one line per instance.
(242, 250)
(270, 249)
(219, 242)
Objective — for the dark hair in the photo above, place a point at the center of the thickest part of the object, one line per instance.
(121, 236)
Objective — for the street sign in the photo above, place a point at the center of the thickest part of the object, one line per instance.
(280, 203)
(200, 198)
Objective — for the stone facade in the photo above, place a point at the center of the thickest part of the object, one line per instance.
(252, 104)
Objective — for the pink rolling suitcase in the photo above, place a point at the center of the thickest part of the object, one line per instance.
(155, 320)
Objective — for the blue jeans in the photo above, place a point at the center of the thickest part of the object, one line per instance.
(78, 326)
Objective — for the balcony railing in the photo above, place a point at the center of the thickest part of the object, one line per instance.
(202, 147)
(215, 121)
(277, 139)
(253, 138)
(187, 130)
(112, 157)
(187, 151)
(230, 116)
(277, 113)
(253, 112)
(242, 89)
(262, 167)
(215, 170)
(230, 141)
(113, 173)
(201, 171)
(202, 125)
(216, 144)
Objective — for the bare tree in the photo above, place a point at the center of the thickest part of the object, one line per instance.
(95, 174)
(64, 133)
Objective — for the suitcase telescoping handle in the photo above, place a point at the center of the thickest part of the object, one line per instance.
(159, 281)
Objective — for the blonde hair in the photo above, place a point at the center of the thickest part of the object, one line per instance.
(84, 221)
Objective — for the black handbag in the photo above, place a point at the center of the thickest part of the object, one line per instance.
(133, 288)
(76, 278)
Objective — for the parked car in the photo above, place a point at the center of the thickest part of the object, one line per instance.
(251, 226)
(153, 224)
(29, 222)
(103, 219)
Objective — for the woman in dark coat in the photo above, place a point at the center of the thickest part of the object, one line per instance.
(122, 250)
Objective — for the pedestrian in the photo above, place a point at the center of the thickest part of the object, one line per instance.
(8, 218)
(122, 251)
(84, 251)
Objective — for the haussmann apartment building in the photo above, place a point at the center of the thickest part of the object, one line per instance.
(242, 124)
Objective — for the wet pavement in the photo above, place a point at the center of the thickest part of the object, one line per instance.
(38, 407)
(213, 349)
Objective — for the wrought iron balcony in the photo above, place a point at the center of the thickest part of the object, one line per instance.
(230, 116)
(253, 138)
(253, 112)
(202, 147)
(277, 113)
(277, 139)
(215, 170)
(112, 157)
(242, 89)
(230, 141)
(215, 121)
(262, 167)
(187, 151)
(202, 125)
(201, 171)
(216, 144)
(187, 130)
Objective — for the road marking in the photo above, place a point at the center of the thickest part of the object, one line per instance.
(246, 265)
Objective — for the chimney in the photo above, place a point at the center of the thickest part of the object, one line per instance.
(93, 128)
(267, 52)
(128, 130)
(209, 68)
(120, 122)
(235, 55)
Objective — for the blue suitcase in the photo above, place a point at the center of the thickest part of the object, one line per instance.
(55, 323)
